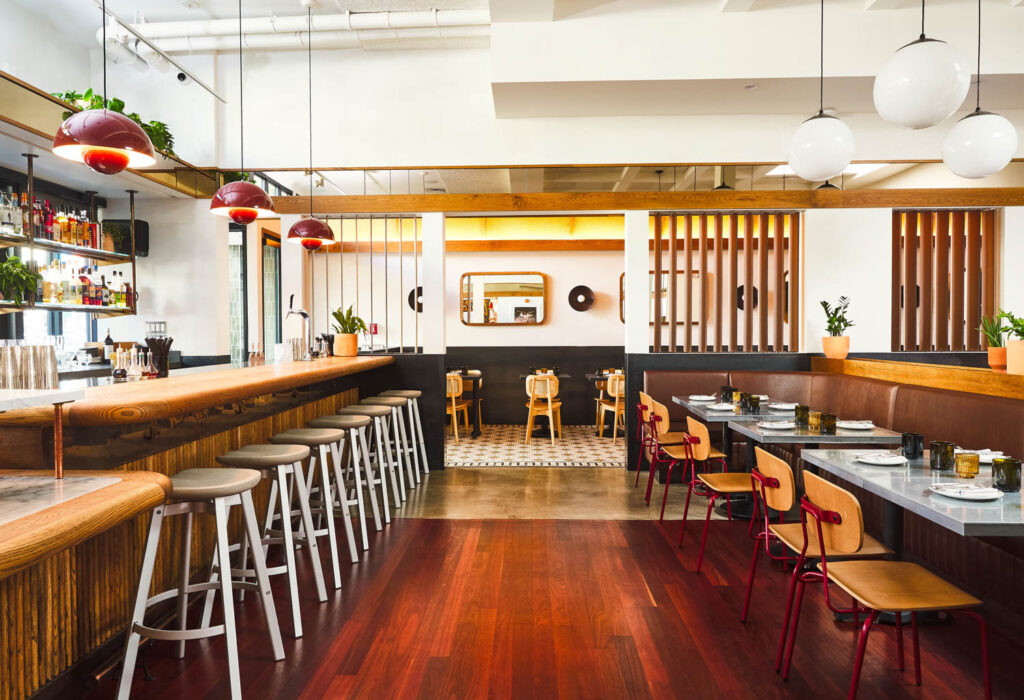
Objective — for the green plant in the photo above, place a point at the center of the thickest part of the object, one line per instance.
(1016, 326)
(992, 327)
(120, 234)
(17, 280)
(837, 323)
(347, 322)
(162, 138)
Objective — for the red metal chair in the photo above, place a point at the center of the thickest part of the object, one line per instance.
(660, 436)
(879, 585)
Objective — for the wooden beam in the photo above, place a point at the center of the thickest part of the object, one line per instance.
(762, 281)
(702, 280)
(734, 258)
(688, 266)
(719, 267)
(975, 380)
(794, 282)
(972, 308)
(897, 258)
(673, 283)
(988, 265)
(910, 282)
(778, 341)
(956, 284)
(748, 283)
(924, 340)
(611, 201)
(942, 281)
(657, 283)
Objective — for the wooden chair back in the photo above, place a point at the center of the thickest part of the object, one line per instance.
(846, 536)
(617, 386)
(659, 411)
(645, 413)
(696, 429)
(453, 386)
(542, 386)
(779, 497)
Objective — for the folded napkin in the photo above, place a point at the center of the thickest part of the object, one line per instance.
(856, 422)
(986, 451)
(721, 407)
(702, 397)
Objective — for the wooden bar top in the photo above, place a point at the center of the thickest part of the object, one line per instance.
(139, 402)
(39, 535)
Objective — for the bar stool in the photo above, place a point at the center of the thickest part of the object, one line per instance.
(415, 426)
(201, 491)
(283, 465)
(401, 438)
(383, 458)
(355, 427)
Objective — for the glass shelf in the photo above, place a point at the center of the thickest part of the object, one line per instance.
(11, 240)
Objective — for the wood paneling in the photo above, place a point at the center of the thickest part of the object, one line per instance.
(795, 258)
(975, 380)
(702, 241)
(67, 605)
(688, 266)
(719, 268)
(972, 307)
(734, 263)
(661, 201)
(956, 302)
(657, 285)
(910, 281)
(942, 281)
(748, 284)
(779, 283)
(896, 321)
(988, 265)
(673, 281)
(762, 278)
(926, 242)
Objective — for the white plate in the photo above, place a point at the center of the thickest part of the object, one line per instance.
(777, 425)
(855, 424)
(984, 456)
(879, 460)
(780, 406)
(966, 492)
(702, 397)
(762, 397)
(721, 407)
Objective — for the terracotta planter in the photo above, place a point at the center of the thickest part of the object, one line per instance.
(836, 347)
(1015, 356)
(997, 359)
(346, 345)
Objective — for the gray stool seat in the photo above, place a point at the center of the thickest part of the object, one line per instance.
(365, 410)
(403, 393)
(392, 401)
(207, 484)
(311, 437)
(264, 456)
(340, 422)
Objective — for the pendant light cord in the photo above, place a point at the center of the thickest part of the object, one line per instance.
(821, 63)
(103, 23)
(922, 19)
(309, 75)
(241, 99)
(977, 88)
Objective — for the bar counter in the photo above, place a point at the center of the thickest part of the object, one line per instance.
(69, 570)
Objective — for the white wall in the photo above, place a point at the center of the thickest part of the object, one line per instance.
(184, 280)
(847, 252)
(42, 52)
(1011, 293)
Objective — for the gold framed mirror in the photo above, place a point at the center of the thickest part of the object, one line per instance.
(502, 298)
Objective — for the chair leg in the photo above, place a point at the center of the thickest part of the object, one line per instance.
(455, 425)
(131, 648)
(419, 431)
(615, 428)
(668, 482)
(790, 595)
(750, 580)
(551, 423)
(917, 648)
(558, 416)
(353, 440)
(289, 552)
(529, 426)
(370, 477)
(259, 564)
(687, 467)
(985, 670)
(411, 444)
(344, 513)
(862, 643)
(227, 602)
(791, 641)
(704, 537)
(186, 551)
(899, 640)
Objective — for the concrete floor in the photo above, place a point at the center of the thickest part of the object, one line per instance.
(543, 493)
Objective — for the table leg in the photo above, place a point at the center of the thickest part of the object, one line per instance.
(476, 409)
(742, 504)
(58, 441)
(892, 527)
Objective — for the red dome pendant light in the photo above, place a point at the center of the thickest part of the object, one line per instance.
(311, 233)
(106, 141)
(243, 202)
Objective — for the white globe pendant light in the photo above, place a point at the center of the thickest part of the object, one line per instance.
(822, 147)
(982, 143)
(922, 84)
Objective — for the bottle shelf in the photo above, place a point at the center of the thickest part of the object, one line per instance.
(9, 307)
(106, 257)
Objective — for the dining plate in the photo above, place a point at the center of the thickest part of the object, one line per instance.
(855, 424)
(777, 425)
(966, 492)
(721, 407)
(782, 406)
(882, 460)
(984, 456)
(702, 397)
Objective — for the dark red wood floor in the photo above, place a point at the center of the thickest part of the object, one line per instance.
(563, 609)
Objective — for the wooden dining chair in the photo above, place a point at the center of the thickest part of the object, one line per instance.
(467, 387)
(543, 393)
(697, 476)
(832, 517)
(455, 404)
(659, 436)
(775, 490)
(616, 403)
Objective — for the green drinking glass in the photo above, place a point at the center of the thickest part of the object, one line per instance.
(828, 424)
(801, 415)
(1006, 474)
(941, 455)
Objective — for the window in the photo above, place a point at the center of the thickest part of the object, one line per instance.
(271, 294)
(238, 309)
(947, 259)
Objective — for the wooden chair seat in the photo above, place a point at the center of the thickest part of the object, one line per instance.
(610, 403)
(734, 482)
(459, 405)
(678, 450)
(792, 535)
(542, 404)
(897, 586)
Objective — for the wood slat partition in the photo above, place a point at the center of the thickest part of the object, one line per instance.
(794, 283)
(719, 267)
(734, 264)
(657, 284)
(762, 276)
(779, 285)
(702, 241)
(673, 282)
(748, 283)
(688, 267)
(944, 263)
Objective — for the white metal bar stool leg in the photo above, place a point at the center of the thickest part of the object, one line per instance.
(383, 436)
(312, 534)
(227, 602)
(345, 504)
(259, 563)
(407, 450)
(131, 649)
(410, 444)
(419, 434)
(353, 439)
(328, 504)
(395, 431)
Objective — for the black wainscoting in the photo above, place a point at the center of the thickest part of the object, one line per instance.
(503, 393)
(423, 372)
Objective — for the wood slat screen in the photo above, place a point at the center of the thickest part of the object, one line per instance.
(944, 278)
(753, 273)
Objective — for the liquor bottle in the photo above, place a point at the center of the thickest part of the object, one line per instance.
(108, 347)
(104, 291)
(37, 218)
(120, 372)
(116, 290)
(134, 365)
(26, 215)
(150, 371)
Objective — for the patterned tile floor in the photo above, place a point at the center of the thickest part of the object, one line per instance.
(504, 446)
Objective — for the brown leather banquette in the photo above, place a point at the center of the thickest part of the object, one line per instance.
(992, 568)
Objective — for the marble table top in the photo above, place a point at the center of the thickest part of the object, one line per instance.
(13, 399)
(24, 495)
(907, 486)
(700, 409)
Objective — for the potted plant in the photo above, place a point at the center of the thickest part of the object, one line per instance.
(836, 345)
(347, 326)
(18, 281)
(992, 328)
(1014, 347)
